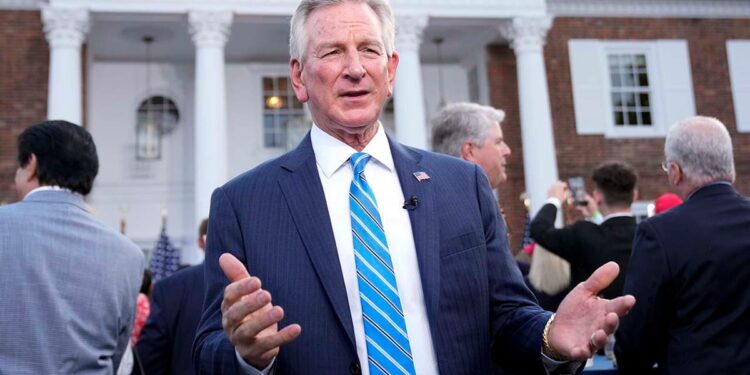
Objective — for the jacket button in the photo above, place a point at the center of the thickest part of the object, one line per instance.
(354, 368)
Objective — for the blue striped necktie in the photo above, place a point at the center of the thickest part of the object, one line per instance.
(388, 350)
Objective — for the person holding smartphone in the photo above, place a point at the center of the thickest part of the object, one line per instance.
(587, 244)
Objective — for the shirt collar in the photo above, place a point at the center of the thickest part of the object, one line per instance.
(47, 188)
(331, 153)
(617, 214)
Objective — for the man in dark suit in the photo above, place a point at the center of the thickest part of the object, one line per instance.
(382, 253)
(165, 345)
(587, 245)
(689, 268)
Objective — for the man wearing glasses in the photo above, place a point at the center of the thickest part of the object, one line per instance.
(689, 265)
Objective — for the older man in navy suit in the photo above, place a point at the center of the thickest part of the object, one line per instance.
(68, 282)
(689, 268)
(380, 258)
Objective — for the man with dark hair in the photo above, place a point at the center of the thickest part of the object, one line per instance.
(166, 341)
(588, 245)
(69, 283)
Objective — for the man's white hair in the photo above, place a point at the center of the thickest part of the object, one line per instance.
(298, 36)
(461, 122)
(703, 149)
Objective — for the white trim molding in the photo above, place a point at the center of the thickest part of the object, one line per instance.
(436, 8)
(650, 8)
(21, 4)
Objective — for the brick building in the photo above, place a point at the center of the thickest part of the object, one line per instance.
(581, 82)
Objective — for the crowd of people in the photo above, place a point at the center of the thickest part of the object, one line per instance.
(354, 254)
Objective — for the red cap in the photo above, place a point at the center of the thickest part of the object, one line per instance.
(665, 202)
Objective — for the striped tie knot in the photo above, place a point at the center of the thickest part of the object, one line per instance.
(358, 160)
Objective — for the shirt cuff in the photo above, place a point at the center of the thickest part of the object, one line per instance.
(552, 366)
(248, 369)
(554, 201)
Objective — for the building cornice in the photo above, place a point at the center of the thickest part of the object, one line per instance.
(22, 4)
(650, 8)
(431, 8)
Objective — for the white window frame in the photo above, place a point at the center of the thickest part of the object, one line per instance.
(738, 51)
(648, 49)
(670, 85)
(257, 72)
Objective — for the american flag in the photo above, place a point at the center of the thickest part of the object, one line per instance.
(165, 259)
(421, 176)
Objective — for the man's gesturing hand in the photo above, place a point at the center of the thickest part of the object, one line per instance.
(249, 319)
(584, 320)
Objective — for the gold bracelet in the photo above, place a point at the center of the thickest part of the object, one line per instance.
(545, 342)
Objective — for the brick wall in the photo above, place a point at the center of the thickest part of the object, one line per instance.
(24, 60)
(577, 154)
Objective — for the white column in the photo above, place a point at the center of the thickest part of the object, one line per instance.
(210, 31)
(408, 100)
(540, 164)
(65, 30)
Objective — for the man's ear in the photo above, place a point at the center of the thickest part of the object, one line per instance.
(598, 198)
(467, 151)
(298, 83)
(31, 168)
(677, 177)
(392, 66)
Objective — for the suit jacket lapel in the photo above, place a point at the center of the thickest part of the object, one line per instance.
(423, 223)
(304, 195)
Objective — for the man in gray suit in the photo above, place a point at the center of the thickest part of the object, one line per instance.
(68, 283)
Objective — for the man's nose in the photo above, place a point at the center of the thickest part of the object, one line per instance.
(354, 68)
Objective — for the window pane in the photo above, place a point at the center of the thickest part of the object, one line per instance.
(629, 99)
(645, 102)
(616, 82)
(295, 104)
(643, 80)
(614, 61)
(626, 62)
(283, 85)
(632, 118)
(619, 119)
(640, 61)
(628, 80)
(267, 84)
(616, 100)
(646, 118)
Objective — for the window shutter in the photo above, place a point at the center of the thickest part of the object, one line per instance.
(590, 86)
(738, 54)
(676, 88)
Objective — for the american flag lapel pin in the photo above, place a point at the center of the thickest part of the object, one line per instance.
(421, 176)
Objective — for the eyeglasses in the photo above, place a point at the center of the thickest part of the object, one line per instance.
(665, 165)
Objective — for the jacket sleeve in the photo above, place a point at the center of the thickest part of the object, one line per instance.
(516, 320)
(154, 348)
(643, 331)
(212, 351)
(561, 241)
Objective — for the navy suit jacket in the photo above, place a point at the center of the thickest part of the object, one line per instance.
(690, 275)
(274, 218)
(165, 344)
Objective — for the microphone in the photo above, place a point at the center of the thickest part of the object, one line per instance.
(412, 203)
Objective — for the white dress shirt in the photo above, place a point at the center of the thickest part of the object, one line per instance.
(336, 174)
(332, 159)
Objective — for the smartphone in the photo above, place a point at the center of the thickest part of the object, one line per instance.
(577, 190)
